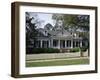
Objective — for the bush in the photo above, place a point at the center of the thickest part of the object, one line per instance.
(83, 49)
(42, 50)
(75, 50)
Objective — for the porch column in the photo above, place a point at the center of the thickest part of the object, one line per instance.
(59, 44)
(71, 43)
(41, 43)
(81, 43)
(49, 43)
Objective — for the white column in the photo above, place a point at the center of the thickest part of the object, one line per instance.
(75, 43)
(71, 43)
(41, 43)
(81, 43)
(49, 43)
(58, 44)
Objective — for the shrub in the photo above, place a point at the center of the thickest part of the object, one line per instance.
(83, 49)
(42, 50)
(75, 50)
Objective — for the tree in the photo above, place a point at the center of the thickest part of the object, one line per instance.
(84, 22)
(72, 21)
(30, 30)
(48, 27)
(32, 22)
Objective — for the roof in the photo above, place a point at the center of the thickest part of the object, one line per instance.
(48, 31)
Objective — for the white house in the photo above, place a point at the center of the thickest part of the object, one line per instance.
(58, 37)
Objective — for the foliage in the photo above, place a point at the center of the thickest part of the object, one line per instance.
(42, 50)
(75, 50)
(84, 34)
(32, 22)
(83, 49)
(72, 21)
(48, 26)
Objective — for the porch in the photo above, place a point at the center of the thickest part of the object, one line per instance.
(59, 43)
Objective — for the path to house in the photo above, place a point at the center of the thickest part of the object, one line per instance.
(58, 59)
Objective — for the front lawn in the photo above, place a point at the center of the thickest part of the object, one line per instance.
(58, 62)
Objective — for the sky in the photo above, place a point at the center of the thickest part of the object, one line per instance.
(44, 17)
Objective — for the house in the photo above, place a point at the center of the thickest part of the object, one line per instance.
(58, 37)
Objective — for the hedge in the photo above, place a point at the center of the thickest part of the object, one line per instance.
(42, 50)
(75, 50)
(52, 50)
(83, 49)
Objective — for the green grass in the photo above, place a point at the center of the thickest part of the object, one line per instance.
(58, 63)
(51, 58)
